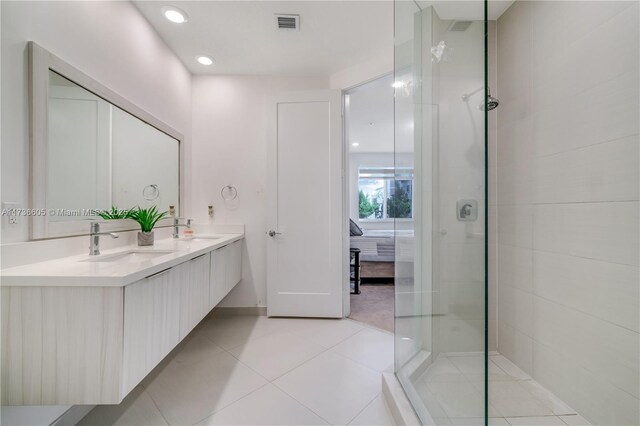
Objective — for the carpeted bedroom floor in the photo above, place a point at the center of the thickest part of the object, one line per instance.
(374, 305)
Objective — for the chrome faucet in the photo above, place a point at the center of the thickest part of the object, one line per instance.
(94, 238)
(177, 225)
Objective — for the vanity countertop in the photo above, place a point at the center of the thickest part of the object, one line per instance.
(88, 271)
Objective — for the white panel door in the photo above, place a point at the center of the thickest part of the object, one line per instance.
(304, 249)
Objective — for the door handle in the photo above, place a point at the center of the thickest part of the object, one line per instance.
(273, 233)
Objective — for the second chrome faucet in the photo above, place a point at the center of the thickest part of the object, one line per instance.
(177, 225)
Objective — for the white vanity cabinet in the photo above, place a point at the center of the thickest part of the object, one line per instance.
(65, 345)
(160, 311)
(226, 271)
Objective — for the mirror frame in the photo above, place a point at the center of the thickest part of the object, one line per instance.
(40, 62)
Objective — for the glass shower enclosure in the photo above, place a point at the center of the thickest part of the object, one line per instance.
(518, 275)
(441, 289)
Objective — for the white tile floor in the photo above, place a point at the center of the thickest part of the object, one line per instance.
(452, 390)
(242, 370)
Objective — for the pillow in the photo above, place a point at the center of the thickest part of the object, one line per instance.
(354, 229)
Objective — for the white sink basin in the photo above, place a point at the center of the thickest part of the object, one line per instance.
(131, 256)
(200, 238)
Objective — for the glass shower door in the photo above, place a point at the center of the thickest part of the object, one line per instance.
(440, 251)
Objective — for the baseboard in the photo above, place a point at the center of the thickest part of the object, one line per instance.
(245, 310)
(397, 401)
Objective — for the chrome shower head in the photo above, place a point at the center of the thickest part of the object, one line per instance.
(492, 103)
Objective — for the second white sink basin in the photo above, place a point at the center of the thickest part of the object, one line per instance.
(130, 256)
(199, 238)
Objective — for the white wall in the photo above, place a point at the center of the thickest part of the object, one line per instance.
(567, 200)
(230, 120)
(365, 71)
(111, 42)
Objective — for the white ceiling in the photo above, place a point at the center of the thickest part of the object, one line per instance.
(242, 39)
(370, 116)
(467, 9)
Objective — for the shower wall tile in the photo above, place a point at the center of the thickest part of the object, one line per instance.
(602, 113)
(573, 66)
(602, 231)
(608, 291)
(594, 398)
(515, 268)
(514, 185)
(515, 225)
(516, 346)
(461, 335)
(568, 218)
(516, 308)
(492, 177)
(462, 262)
(596, 345)
(463, 299)
(604, 172)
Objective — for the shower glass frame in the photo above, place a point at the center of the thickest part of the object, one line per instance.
(424, 101)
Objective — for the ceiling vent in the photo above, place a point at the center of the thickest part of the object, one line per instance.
(460, 25)
(288, 22)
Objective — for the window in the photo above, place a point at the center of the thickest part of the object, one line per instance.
(383, 194)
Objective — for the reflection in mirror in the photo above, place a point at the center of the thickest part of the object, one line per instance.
(101, 156)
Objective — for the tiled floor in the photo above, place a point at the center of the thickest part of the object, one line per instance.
(452, 390)
(242, 370)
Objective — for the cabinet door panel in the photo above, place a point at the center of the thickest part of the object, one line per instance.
(151, 325)
(218, 283)
(234, 264)
(194, 292)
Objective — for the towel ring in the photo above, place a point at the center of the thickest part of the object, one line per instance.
(229, 193)
(151, 192)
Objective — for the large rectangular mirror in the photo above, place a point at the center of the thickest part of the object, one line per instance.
(93, 150)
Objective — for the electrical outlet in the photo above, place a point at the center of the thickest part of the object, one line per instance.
(9, 211)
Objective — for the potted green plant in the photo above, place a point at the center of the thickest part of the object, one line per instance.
(147, 218)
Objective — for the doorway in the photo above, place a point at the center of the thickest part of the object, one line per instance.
(376, 197)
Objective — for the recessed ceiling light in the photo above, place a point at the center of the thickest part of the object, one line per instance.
(204, 60)
(397, 84)
(175, 15)
(355, 144)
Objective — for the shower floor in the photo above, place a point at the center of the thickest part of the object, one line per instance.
(452, 392)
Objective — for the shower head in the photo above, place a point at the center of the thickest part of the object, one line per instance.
(492, 103)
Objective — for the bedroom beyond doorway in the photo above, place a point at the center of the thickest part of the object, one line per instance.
(380, 195)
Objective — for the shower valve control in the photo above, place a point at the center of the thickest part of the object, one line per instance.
(467, 210)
